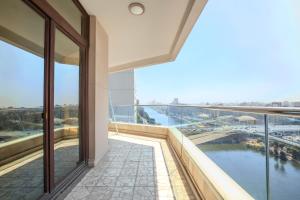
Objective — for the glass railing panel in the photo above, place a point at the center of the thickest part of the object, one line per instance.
(284, 160)
(190, 118)
(125, 114)
(235, 141)
(155, 115)
(182, 115)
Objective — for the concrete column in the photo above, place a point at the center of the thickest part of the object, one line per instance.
(98, 92)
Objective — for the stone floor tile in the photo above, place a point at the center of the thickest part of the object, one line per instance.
(136, 172)
(143, 164)
(108, 181)
(111, 172)
(79, 193)
(102, 165)
(131, 165)
(142, 181)
(146, 171)
(126, 181)
(101, 193)
(122, 193)
(116, 165)
(133, 158)
(93, 172)
(129, 172)
(89, 181)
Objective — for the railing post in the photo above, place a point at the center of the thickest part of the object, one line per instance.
(267, 155)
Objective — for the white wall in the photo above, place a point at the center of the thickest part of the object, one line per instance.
(98, 92)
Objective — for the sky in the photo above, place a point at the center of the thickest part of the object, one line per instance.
(238, 51)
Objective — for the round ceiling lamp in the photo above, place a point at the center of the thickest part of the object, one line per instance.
(136, 8)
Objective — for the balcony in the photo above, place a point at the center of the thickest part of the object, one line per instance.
(226, 152)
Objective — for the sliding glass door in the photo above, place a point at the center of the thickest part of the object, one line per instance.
(66, 106)
(22, 133)
(42, 79)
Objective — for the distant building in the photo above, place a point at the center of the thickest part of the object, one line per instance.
(175, 101)
(296, 104)
(286, 104)
(276, 104)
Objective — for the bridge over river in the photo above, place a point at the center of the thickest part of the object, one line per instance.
(218, 134)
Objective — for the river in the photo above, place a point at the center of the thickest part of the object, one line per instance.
(247, 168)
(160, 118)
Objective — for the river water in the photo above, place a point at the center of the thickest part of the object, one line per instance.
(160, 118)
(247, 168)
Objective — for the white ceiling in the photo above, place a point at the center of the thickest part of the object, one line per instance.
(154, 37)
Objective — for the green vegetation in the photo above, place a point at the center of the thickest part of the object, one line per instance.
(143, 117)
(21, 119)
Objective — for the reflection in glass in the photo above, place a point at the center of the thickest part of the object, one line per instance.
(284, 136)
(69, 11)
(21, 101)
(66, 102)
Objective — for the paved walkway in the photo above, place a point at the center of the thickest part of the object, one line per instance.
(135, 168)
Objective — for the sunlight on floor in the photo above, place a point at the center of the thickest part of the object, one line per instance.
(136, 168)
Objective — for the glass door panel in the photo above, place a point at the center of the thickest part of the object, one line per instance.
(21, 101)
(66, 106)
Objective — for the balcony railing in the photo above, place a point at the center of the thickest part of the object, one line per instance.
(253, 150)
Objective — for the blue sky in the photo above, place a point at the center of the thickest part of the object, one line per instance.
(239, 50)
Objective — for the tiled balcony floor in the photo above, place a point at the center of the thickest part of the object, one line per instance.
(135, 168)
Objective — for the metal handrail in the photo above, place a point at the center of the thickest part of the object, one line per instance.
(286, 111)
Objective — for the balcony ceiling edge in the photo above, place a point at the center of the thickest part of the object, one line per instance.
(192, 13)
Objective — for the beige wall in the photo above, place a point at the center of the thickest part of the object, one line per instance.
(98, 92)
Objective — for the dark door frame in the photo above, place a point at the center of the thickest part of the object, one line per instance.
(53, 20)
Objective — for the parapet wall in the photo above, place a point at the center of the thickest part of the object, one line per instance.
(140, 129)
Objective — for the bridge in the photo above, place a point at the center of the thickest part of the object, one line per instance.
(214, 135)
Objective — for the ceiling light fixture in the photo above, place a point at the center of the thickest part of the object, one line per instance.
(136, 8)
